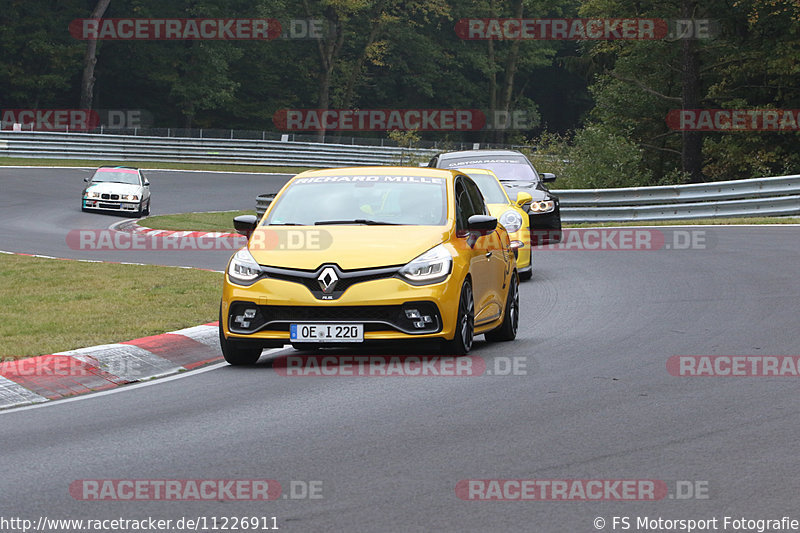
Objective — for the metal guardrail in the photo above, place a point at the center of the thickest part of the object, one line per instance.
(778, 196)
(226, 151)
(262, 203)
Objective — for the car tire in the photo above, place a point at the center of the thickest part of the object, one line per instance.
(147, 211)
(237, 353)
(465, 324)
(508, 329)
(525, 276)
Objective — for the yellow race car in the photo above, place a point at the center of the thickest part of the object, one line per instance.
(512, 215)
(354, 255)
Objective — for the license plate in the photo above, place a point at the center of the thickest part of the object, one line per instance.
(326, 332)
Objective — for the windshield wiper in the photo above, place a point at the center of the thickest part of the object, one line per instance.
(285, 224)
(364, 221)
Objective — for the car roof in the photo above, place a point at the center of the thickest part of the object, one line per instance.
(378, 170)
(468, 170)
(478, 153)
(117, 168)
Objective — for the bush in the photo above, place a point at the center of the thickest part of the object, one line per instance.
(596, 158)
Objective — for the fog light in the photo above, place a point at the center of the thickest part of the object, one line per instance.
(243, 320)
(419, 320)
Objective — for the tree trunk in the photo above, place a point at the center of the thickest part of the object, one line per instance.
(90, 60)
(328, 49)
(692, 146)
(510, 72)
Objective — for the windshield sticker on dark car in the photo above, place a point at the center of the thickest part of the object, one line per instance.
(482, 162)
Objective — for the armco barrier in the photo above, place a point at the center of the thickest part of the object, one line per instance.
(778, 196)
(227, 151)
(753, 197)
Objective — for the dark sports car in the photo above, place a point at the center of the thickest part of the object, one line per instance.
(517, 174)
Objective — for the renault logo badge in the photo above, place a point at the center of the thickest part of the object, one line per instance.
(327, 280)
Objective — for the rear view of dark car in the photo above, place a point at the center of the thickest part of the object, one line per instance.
(517, 174)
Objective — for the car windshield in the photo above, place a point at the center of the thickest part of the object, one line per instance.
(506, 167)
(116, 176)
(361, 199)
(491, 190)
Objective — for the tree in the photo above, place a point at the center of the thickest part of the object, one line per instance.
(90, 60)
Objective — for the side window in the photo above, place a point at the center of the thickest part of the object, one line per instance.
(479, 206)
(464, 208)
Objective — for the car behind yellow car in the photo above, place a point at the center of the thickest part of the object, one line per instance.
(384, 254)
(511, 215)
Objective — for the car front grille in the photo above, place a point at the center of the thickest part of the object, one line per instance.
(346, 278)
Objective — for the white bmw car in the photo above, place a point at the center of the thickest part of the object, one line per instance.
(117, 189)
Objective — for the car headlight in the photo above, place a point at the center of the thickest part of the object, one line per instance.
(511, 220)
(92, 195)
(130, 196)
(545, 206)
(243, 268)
(431, 267)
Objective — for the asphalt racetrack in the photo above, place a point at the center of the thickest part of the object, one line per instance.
(591, 397)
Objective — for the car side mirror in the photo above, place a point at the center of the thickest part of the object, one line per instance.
(245, 224)
(481, 224)
(523, 198)
(146, 182)
(548, 176)
(86, 180)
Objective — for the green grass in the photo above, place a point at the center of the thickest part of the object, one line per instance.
(49, 305)
(214, 221)
(23, 161)
(698, 222)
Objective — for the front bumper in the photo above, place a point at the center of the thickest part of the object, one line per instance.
(545, 227)
(121, 206)
(380, 305)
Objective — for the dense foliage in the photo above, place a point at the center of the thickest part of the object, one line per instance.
(599, 105)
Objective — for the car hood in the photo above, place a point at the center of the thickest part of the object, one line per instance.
(115, 188)
(513, 187)
(497, 210)
(350, 247)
